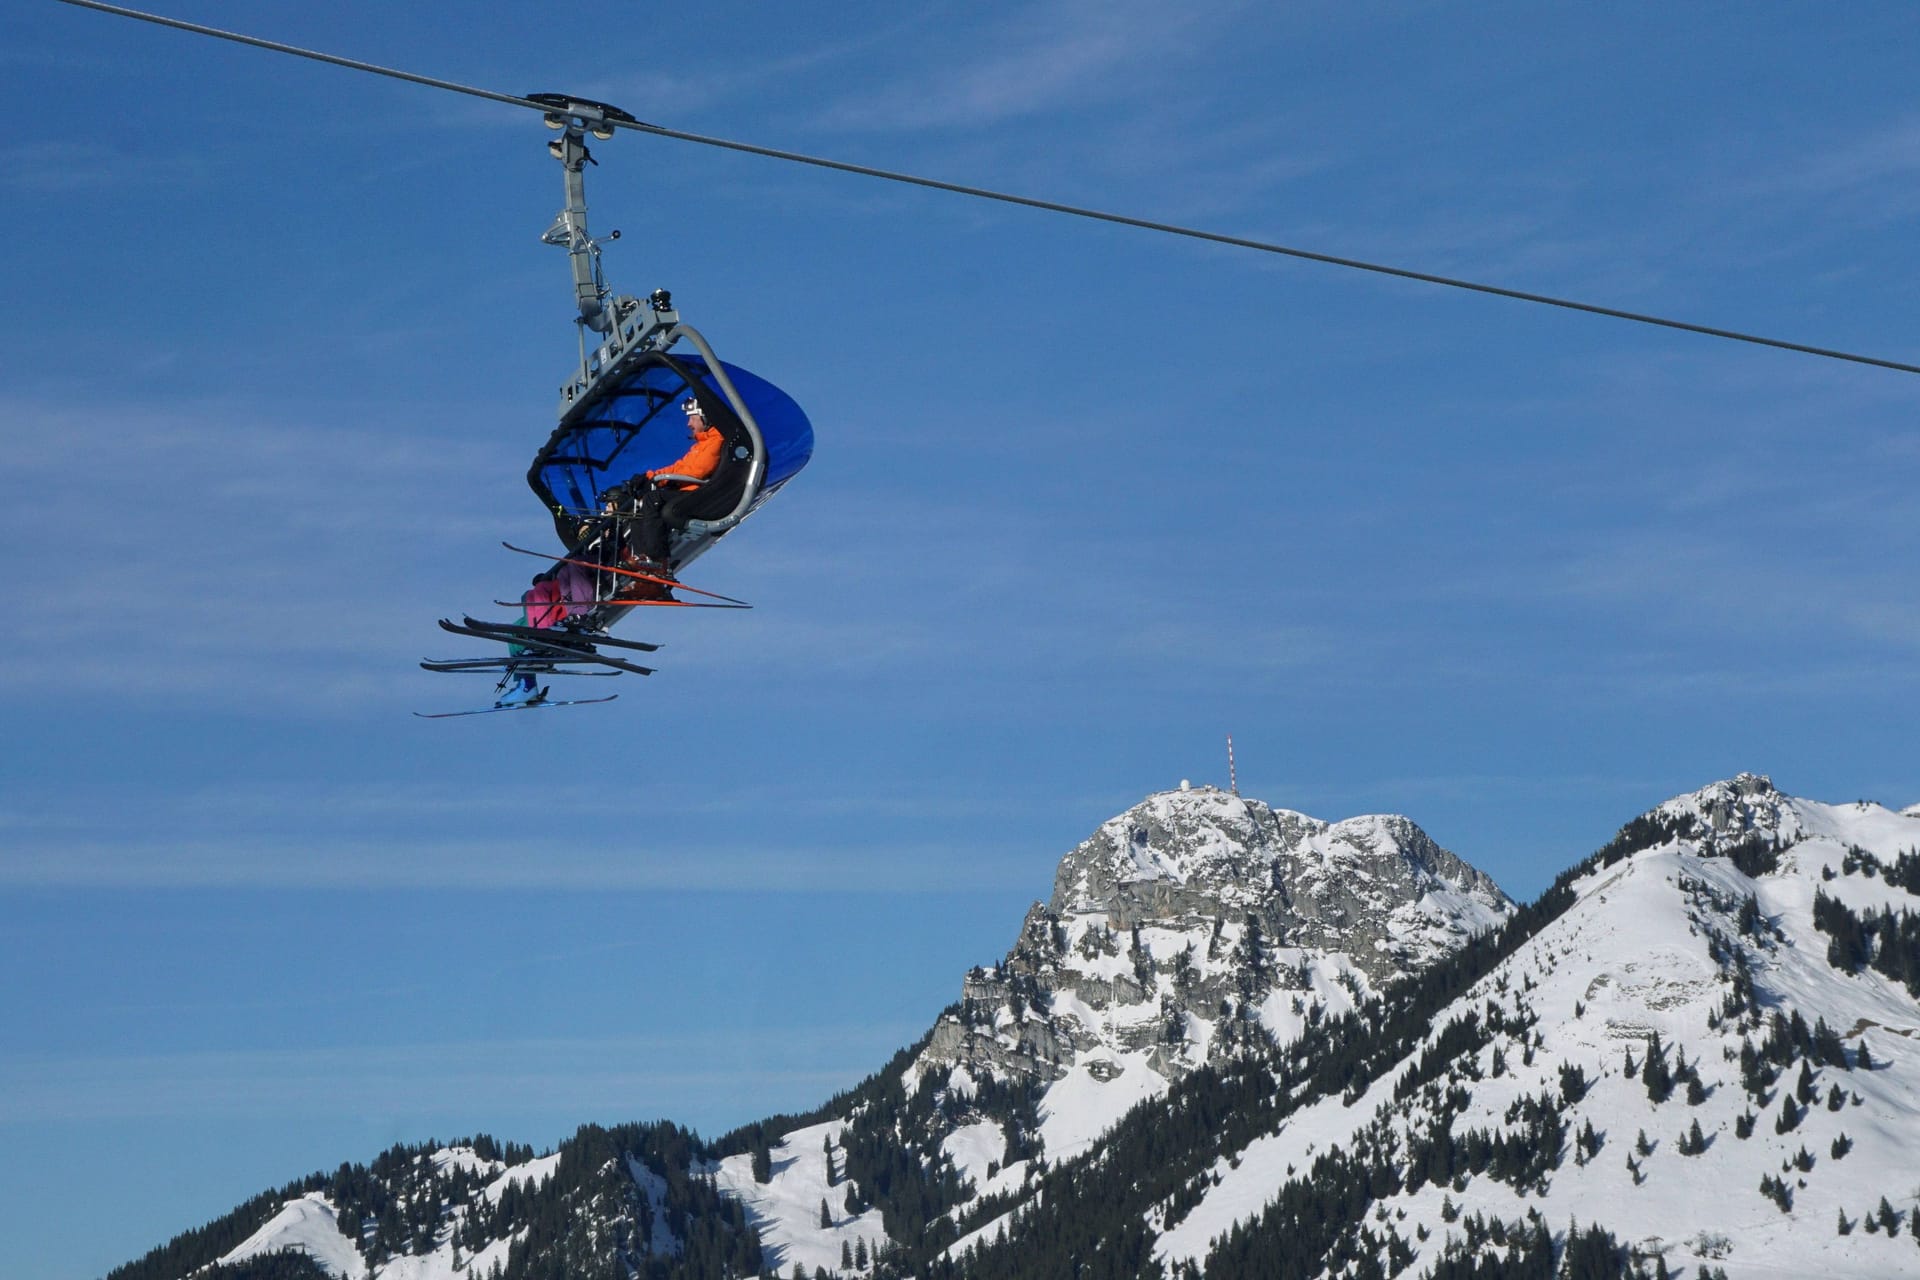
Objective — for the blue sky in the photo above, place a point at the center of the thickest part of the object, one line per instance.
(279, 341)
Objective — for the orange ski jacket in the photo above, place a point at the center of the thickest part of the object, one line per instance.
(699, 462)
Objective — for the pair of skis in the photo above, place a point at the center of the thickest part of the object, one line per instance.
(553, 644)
(561, 650)
(543, 651)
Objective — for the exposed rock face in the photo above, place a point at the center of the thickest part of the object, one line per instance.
(1377, 888)
(1737, 808)
(1198, 920)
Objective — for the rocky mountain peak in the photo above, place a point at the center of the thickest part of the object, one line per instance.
(1191, 926)
(1202, 855)
(1741, 807)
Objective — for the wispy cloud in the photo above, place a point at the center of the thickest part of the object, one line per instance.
(68, 168)
(399, 807)
(1866, 176)
(905, 868)
(231, 544)
(674, 90)
(1473, 786)
(607, 863)
(1059, 53)
(605, 1076)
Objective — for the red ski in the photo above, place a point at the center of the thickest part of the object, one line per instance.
(629, 573)
(625, 603)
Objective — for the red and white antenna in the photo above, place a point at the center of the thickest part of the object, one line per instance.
(1233, 779)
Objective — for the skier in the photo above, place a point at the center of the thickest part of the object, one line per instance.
(557, 594)
(652, 520)
(563, 590)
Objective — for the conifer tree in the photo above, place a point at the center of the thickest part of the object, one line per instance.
(1657, 1074)
(1587, 1143)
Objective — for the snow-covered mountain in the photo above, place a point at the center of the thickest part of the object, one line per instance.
(1194, 927)
(1238, 1041)
(1703, 1046)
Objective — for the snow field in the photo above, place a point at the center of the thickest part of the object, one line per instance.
(786, 1209)
(311, 1225)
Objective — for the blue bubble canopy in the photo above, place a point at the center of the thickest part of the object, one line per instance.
(635, 424)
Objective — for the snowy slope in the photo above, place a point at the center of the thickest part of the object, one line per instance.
(309, 1225)
(1635, 957)
(787, 1208)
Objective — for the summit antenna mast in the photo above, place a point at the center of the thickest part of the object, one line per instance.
(1233, 778)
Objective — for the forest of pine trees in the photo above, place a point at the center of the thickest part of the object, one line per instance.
(1885, 940)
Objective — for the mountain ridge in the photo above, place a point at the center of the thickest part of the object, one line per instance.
(1462, 1063)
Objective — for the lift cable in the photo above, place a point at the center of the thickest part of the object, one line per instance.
(983, 193)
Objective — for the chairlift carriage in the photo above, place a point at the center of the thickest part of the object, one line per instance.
(620, 415)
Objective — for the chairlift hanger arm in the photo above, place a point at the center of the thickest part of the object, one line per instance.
(569, 229)
(984, 193)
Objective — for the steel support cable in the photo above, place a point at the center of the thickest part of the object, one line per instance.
(1031, 202)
